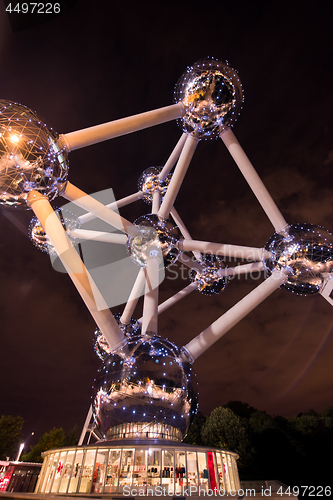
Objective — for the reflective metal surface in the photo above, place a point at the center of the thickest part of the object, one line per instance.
(208, 281)
(150, 182)
(148, 386)
(306, 253)
(101, 347)
(38, 236)
(30, 157)
(211, 93)
(155, 237)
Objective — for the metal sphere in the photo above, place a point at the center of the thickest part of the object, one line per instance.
(38, 236)
(40, 239)
(150, 182)
(155, 237)
(132, 328)
(30, 156)
(101, 347)
(306, 253)
(211, 93)
(146, 386)
(208, 280)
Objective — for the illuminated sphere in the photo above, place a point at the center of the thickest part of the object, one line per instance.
(132, 328)
(101, 347)
(40, 239)
(150, 182)
(211, 94)
(38, 236)
(146, 390)
(306, 253)
(30, 156)
(208, 280)
(154, 238)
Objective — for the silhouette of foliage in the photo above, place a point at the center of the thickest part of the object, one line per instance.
(56, 438)
(10, 436)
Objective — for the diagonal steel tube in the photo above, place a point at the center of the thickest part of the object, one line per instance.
(216, 330)
(93, 135)
(258, 187)
(83, 200)
(178, 176)
(76, 269)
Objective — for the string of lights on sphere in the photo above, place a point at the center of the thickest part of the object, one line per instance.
(30, 156)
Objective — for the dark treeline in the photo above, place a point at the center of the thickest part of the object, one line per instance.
(296, 450)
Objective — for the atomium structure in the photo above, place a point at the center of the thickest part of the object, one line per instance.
(145, 388)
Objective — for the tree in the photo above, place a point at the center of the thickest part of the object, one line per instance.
(305, 424)
(10, 436)
(71, 438)
(56, 438)
(243, 410)
(327, 416)
(259, 421)
(224, 429)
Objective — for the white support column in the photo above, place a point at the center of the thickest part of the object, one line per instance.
(113, 206)
(150, 303)
(85, 426)
(236, 251)
(253, 267)
(178, 175)
(86, 234)
(83, 200)
(175, 298)
(258, 187)
(76, 269)
(183, 229)
(180, 224)
(93, 135)
(216, 330)
(135, 294)
(156, 202)
(192, 264)
(173, 157)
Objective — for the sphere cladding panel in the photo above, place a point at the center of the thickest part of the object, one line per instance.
(40, 239)
(30, 157)
(306, 253)
(154, 237)
(208, 280)
(149, 382)
(211, 93)
(38, 236)
(101, 346)
(150, 182)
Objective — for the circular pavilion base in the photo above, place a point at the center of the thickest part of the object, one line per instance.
(138, 468)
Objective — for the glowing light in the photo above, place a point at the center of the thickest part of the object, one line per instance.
(14, 138)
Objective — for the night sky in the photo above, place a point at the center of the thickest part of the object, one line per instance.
(105, 60)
